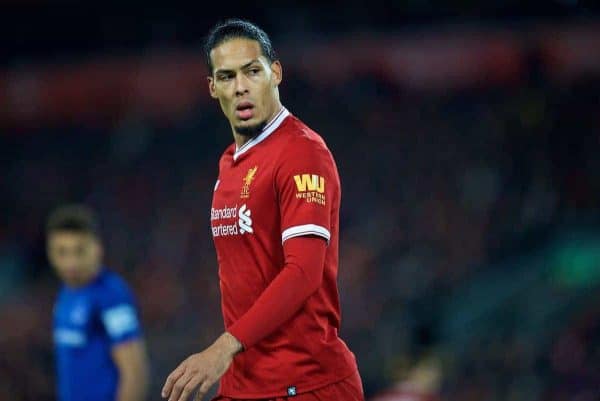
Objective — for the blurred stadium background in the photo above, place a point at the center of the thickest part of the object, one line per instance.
(467, 138)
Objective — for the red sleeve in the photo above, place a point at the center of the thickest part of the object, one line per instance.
(306, 183)
(300, 277)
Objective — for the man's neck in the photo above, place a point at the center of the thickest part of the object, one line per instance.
(241, 140)
(90, 279)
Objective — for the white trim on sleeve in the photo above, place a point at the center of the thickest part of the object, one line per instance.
(306, 229)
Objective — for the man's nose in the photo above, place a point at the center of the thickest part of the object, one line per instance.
(71, 265)
(241, 86)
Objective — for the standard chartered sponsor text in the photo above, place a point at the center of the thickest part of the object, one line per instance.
(223, 213)
(223, 230)
(242, 225)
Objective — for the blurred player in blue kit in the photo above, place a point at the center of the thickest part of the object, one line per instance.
(100, 353)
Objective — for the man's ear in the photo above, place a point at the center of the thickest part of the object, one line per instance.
(277, 72)
(211, 87)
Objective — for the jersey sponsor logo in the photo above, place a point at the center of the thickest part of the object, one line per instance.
(223, 213)
(245, 221)
(311, 188)
(69, 337)
(245, 194)
(310, 183)
(243, 224)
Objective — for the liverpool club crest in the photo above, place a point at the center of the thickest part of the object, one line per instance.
(247, 181)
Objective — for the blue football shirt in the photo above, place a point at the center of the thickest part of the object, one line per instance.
(88, 322)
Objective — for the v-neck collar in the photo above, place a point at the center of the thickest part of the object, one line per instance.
(268, 130)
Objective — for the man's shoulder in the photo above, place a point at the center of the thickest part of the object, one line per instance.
(63, 296)
(111, 284)
(228, 151)
(297, 133)
(227, 154)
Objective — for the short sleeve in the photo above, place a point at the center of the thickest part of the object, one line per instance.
(118, 313)
(306, 183)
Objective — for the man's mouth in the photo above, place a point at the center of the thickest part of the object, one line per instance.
(244, 110)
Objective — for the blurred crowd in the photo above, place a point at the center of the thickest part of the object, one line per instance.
(437, 188)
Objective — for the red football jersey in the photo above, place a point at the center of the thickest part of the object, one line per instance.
(282, 184)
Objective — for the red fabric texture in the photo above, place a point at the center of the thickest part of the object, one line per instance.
(278, 282)
(348, 389)
(299, 278)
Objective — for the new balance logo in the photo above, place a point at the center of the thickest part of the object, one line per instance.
(310, 183)
(245, 221)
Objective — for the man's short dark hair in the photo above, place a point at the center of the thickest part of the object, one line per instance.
(76, 218)
(237, 28)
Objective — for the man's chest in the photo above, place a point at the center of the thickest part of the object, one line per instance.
(244, 200)
(74, 320)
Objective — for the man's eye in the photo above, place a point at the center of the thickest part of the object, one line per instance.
(224, 78)
(254, 71)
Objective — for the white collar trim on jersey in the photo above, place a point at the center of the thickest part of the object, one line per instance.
(268, 130)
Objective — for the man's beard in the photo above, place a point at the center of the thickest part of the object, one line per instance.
(251, 131)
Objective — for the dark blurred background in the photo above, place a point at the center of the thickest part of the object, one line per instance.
(467, 137)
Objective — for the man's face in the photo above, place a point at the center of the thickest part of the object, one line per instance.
(75, 256)
(245, 82)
